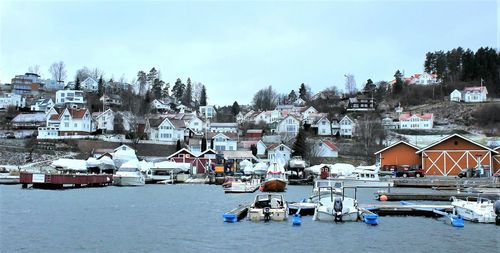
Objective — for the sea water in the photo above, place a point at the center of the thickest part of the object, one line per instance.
(188, 218)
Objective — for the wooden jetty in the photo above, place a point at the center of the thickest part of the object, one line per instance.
(434, 196)
(236, 214)
(429, 182)
(60, 181)
(409, 210)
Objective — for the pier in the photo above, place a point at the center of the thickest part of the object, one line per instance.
(236, 214)
(61, 181)
(429, 182)
(409, 210)
(434, 196)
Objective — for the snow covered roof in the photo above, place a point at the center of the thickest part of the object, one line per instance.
(70, 164)
(425, 116)
(29, 117)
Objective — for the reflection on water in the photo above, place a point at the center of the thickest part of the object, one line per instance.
(188, 218)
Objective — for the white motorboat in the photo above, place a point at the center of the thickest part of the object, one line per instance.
(128, 176)
(268, 207)
(335, 207)
(233, 185)
(481, 211)
(364, 177)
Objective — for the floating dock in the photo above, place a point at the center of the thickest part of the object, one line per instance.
(409, 210)
(60, 181)
(236, 214)
(434, 196)
(429, 182)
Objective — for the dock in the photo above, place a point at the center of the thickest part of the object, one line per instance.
(61, 181)
(434, 196)
(408, 210)
(236, 214)
(446, 182)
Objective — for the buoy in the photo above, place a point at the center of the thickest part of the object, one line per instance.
(383, 198)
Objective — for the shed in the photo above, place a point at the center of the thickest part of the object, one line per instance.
(397, 154)
(450, 155)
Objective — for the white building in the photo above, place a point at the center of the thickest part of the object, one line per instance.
(165, 129)
(268, 117)
(456, 96)
(289, 126)
(308, 112)
(74, 97)
(42, 105)
(207, 111)
(160, 105)
(223, 142)
(279, 153)
(217, 127)
(261, 148)
(424, 79)
(416, 121)
(388, 123)
(89, 84)
(67, 122)
(326, 149)
(11, 99)
(347, 126)
(196, 124)
(324, 126)
(105, 120)
(475, 94)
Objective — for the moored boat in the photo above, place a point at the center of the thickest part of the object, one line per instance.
(481, 211)
(129, 176)
(275, 179)
(268, 207)
(236, 185)
(336, 207)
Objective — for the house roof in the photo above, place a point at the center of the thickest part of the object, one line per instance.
(183, 150)
(254, 131)
(407, 116)
(230, 136)
(475, 88)
(238, 154)
(155, 122)
(395, 144)
(208, 151)
(77, 113)
(275, 146)
(451, 136)
(29, 117)
(220, 124)
(330, 145)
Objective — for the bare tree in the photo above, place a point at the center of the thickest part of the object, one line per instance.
(96, 73)
(35, 69)
(58, 71)
(369, 130)
(350, 83)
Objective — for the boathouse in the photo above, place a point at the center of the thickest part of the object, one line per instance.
(398, 154)
(454, 153)
(496, 162)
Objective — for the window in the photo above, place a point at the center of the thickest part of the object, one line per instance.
(282, 148)
(66, 124)
(75, 125)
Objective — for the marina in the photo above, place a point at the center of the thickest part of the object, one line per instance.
(432, 196)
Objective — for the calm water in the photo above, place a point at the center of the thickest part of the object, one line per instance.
(188, 218)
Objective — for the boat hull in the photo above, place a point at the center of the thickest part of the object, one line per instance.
(365, 183)
(128, 181)
(471, 213)
(325, 214)
(274, 185)
(257, 214)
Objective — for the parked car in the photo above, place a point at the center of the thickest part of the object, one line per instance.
(410, 171)
(473, 173)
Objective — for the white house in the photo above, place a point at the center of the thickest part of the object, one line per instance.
(268, 117)
(476, 94)
(289, 126)
(160, 105)
(11, 99)
(388, 123)
(207, 111)
(279, 153)
(75, 97)
(424, 79)
(165, 129)
(70, 121)
(261, 148)
(105, 120)
(89, 84)
(326, 149)
(324, 126)
(42, 105)
(217, 127)
(111, 100)
(456, 96)
(347, 126)
(183, 109)
(222, 142)
(416, 121)
(307, 112)
(240, 117)
(196, 124)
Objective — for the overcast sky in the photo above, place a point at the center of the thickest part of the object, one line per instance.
(238, 47)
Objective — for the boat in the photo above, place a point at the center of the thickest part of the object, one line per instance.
(296, 167)
(268, 207)
(275, 180)
(129, 176)
(366, 178)
(336, 207)
(481, 210)
(237, 185)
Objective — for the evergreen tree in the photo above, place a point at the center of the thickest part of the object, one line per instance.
(370, 86)
(300, 145)
(178, 145)
(398, 85)
(187, 98)
(292, 97)
(178, 89)
(165, 90)
(203, 144)
(157, 88)
(303, 92)
(100, 87)
(142, 81)
(235, 109)
(203, 96)
(253, 148)
(77, 84)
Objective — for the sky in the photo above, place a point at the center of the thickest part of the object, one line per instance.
(236, 48)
